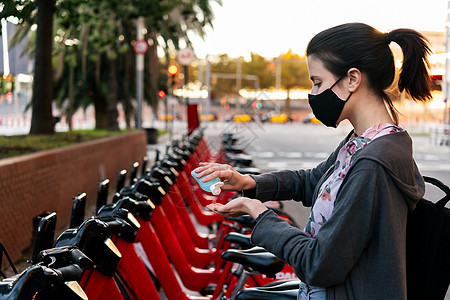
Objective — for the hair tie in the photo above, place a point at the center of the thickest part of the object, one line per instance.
(387, 38)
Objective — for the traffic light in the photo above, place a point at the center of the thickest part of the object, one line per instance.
(257, 104)
(172, 70)
(161, 93)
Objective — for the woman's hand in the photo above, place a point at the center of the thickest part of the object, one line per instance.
(238, 207)
(233, 180)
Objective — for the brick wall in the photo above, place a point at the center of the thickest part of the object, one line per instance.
(47, 181)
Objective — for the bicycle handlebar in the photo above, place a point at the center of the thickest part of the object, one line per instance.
(71, 272)
(36, 279)
(62, 256)
(141, 209)
(151, 188)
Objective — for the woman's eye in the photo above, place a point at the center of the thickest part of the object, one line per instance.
(317, 84)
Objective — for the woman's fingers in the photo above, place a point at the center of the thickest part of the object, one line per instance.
(235, 207)
(215, 207)
(233, 180)
(213, 170)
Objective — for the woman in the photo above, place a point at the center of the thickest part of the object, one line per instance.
(353, 244)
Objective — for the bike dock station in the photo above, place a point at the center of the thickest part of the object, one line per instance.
(152, 238)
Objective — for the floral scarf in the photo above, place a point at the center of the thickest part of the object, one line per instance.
(324, 205)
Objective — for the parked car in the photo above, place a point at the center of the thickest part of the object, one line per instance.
(276, 117)
(169, 116)
(239, 118)
(310, 118)
(210, 117)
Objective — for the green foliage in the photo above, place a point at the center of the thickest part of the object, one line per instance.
(259, 66)
(91, 36)
(23, 10)
(294, 72)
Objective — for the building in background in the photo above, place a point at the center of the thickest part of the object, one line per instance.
(15, 77)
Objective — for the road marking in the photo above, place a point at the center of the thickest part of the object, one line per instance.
(306, 160)
(264, 154)
(277, 165)
(292, 154)
(427, 166)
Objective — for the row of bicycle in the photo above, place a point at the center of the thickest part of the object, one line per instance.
(155, 240)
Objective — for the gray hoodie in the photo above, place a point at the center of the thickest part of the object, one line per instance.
(360, 250)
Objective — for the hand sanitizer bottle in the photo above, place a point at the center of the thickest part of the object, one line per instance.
(212, 186)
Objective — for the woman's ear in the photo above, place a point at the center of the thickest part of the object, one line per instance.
(354, 79)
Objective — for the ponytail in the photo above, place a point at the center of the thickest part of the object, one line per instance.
(357, 45)
(414, 77)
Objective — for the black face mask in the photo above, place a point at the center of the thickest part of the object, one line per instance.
(327, 106)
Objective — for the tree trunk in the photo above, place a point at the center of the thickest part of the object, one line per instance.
(71, 98)
(100, 111)
(153, 71)
(127, 106)
(287, 103)
(112, 97)
(42, 119)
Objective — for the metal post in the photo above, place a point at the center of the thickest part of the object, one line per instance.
(239, 79)
(200, 74)
(446, 79)
(208, 88)
(6, 69)
(278, 74)
(139, 74)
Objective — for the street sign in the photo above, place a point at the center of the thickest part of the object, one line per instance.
(185, 56)
(140, 46)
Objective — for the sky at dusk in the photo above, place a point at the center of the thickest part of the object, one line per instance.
(272, 27)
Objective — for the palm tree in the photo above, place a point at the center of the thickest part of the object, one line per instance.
(42, 119)
(90, 70)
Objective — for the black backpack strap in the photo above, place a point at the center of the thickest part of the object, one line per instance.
(443, 187)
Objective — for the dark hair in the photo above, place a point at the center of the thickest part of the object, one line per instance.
(357, 45)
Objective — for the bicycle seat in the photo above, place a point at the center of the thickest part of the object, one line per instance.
(239, 238)
(244, 220)
(233, 149)
(241, 159)
(262, 262)
(261, 294)
(229, 140)
(281, 285)
(248, 170)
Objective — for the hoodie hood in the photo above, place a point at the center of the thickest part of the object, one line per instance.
(394, 152)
